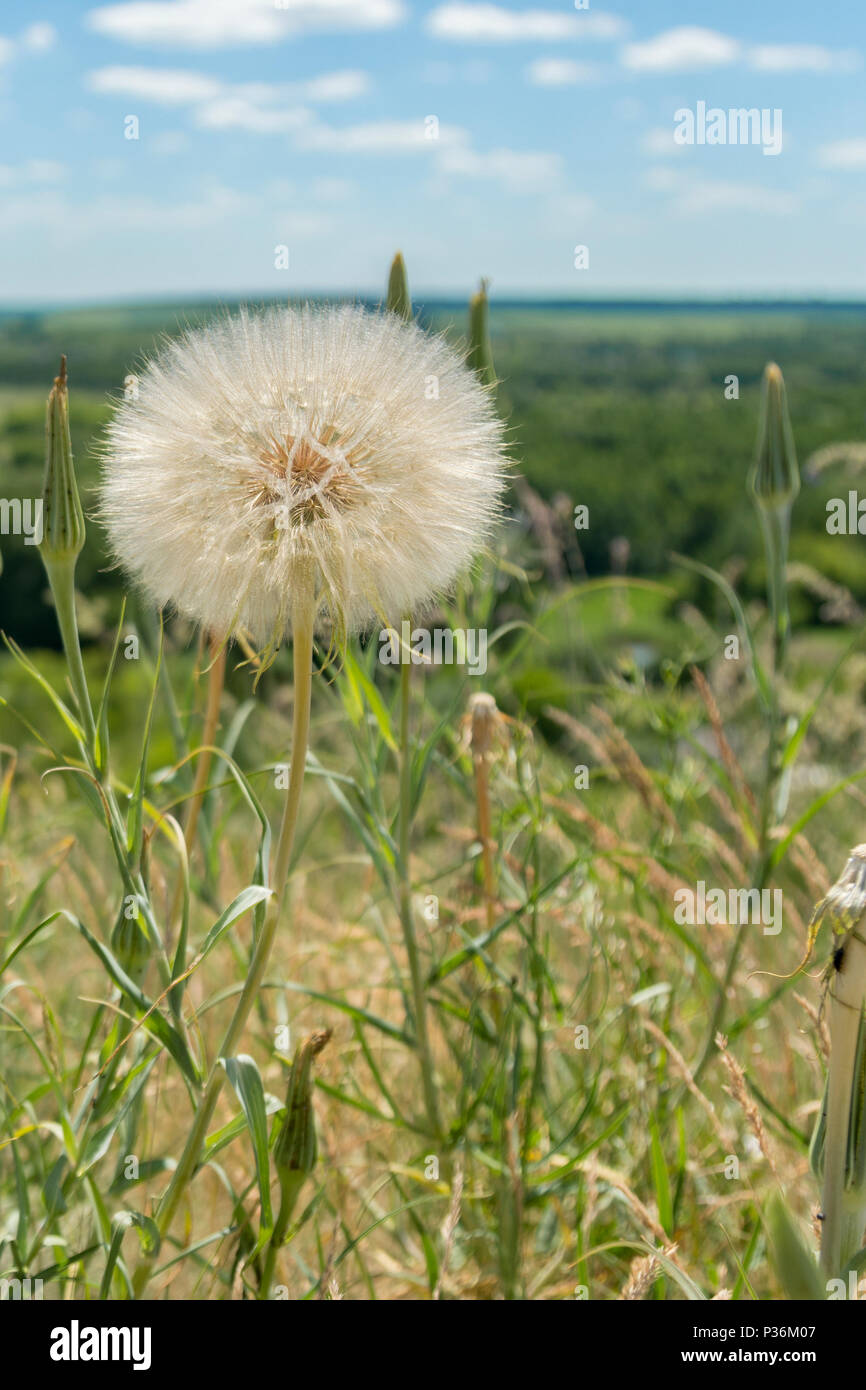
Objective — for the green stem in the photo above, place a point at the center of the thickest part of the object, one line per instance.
(288, 1199)
(61, 577)
(302, 637)
(407, 921)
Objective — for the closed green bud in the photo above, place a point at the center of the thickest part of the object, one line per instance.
(480, 356)
(62, 517)
(774, 480)
(399, 300)
(296, 1146)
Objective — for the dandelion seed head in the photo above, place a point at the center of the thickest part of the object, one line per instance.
(320, 441)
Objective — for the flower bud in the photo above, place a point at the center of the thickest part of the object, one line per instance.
(296, 1147)
(399, 300)
(480, 356)
(774, 480)
(62, 517)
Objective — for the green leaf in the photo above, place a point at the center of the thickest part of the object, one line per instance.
(134, 821)
(244, 1076)
(361, 683)
(101, 744)
(226, 1134)
(241, 904)
(148, 1235)
(63, 710)
(764, 689)
(661, 1178)
(26, 939)
(793, 1262)
(155, 1022)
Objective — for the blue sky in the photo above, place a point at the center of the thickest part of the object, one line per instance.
(482, 139)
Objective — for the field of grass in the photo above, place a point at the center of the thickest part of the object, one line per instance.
(619, 1092)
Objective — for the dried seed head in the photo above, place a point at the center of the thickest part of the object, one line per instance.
(484, 724)
(323, 441)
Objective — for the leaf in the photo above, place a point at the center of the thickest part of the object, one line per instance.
(134, 820)
(101, 744)
(794, 1264)
(763, 686)
(241, 904)
(361, 684)
(244, 1076)
(150, 1017)
(148, 1235)
(661, 1178)
(99, 1143)
(26, 939)
(63, 710)
(228, 1133)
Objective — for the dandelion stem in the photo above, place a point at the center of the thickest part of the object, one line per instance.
(302, 638)
(407, 920)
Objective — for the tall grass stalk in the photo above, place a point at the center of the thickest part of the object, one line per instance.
(774, 483)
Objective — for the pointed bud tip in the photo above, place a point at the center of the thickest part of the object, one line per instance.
(399, 300)
(774, 480)
(63, 531)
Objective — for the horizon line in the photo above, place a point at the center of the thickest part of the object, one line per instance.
(631, 300)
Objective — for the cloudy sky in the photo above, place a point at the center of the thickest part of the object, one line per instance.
(292, 145)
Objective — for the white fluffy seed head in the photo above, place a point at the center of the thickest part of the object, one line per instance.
(323, 442)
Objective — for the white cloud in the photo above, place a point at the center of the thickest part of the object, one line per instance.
(333, 86)
(116, 210)
(38, 171)
(559, 72)
(165, 86)
(378, 137)
(250, 106)
(697, 197)
(661, 180)
(681, 50)
(802, 57)
(844, 154)
(38, 37)
(469, 23)
(236, 113)
(517, 170)
(201, 24)
(736, 197)
(660, 143)
(689, 48)
(169, 142)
